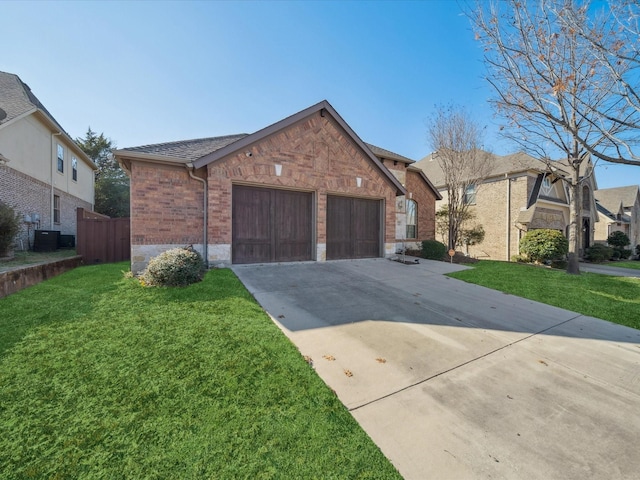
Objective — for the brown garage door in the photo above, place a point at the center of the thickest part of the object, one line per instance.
(270, 225)
(353, 228)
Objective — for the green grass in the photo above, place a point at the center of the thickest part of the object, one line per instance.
(633, 264)
(616, 299)
(103, 378)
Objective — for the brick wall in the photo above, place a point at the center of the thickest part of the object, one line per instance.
(28, 196)
(493, 213)
(168, 205)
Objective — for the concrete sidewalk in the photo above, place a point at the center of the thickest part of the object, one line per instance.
(453, 380)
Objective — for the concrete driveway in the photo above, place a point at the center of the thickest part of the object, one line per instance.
(456, 381)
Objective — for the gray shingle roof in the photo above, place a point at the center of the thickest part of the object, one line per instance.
(383, 153)
(611, 198)
(193, 149)
(16, 98)
(500, 165)
(187, 149)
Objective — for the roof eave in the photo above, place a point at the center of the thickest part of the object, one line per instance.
(54, 127)
(427, 181)
(149, 157)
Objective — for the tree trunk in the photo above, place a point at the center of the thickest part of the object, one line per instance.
(573, 266)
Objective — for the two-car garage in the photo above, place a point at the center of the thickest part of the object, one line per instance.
(277, 225)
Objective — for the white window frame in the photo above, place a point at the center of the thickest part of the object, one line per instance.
(60, 157)
(411, 207)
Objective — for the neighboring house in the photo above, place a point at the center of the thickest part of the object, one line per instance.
(43, 173)
(304, 188)
(619, 210)
(518, 195)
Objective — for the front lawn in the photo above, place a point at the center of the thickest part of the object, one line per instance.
(616, 299)
(634, 264)
(103, 378)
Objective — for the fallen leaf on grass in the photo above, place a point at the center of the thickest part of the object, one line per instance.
(331, 358)
(348, 373)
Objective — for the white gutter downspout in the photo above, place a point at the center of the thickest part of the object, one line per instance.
(53, 150)
(508, 217)
(205, 253)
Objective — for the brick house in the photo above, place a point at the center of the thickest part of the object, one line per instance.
(619, 210)
(43, 173)
(304, 188)
(518, 195)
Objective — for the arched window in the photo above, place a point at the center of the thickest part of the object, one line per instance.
(412, 219)
(586, 198)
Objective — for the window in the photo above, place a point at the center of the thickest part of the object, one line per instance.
(60, 158)
(470, 195)
(56, 209)
(586, 198)
(412, 219)
(546, 187)
(74, 168)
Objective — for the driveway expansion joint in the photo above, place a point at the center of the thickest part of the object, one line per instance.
(439, 374)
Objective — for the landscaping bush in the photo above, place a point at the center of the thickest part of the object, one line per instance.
(638, 252)
(544, 245)
(623, 253)
(598, 253)
(433, 250)
(619, 240)
(177, 267)
(9, 227)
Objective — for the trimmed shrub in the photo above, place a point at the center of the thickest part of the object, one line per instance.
(177, 267)
(433, 250)
(9, 227)
(544, 245)
(598, 253)
(618, 239)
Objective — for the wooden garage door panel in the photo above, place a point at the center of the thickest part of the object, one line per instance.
(270, 225)
(339, 236)
(367, 228)
(353, 228)
(251, 228)
(292, 226)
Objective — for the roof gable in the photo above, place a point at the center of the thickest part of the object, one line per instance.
(325, 109)
(611, 198)
(17, 101)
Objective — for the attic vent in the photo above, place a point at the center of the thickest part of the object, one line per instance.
(3, 114)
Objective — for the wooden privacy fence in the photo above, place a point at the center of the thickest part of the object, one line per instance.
(101, 239)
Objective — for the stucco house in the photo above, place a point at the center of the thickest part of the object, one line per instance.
(519, 194)
(619, 210)
(43, 173)
(305, 188)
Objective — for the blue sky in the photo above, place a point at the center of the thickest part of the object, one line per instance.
(150, 72)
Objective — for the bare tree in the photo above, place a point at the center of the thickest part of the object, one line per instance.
(456, 140)
(617, 50)
(555, 94)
